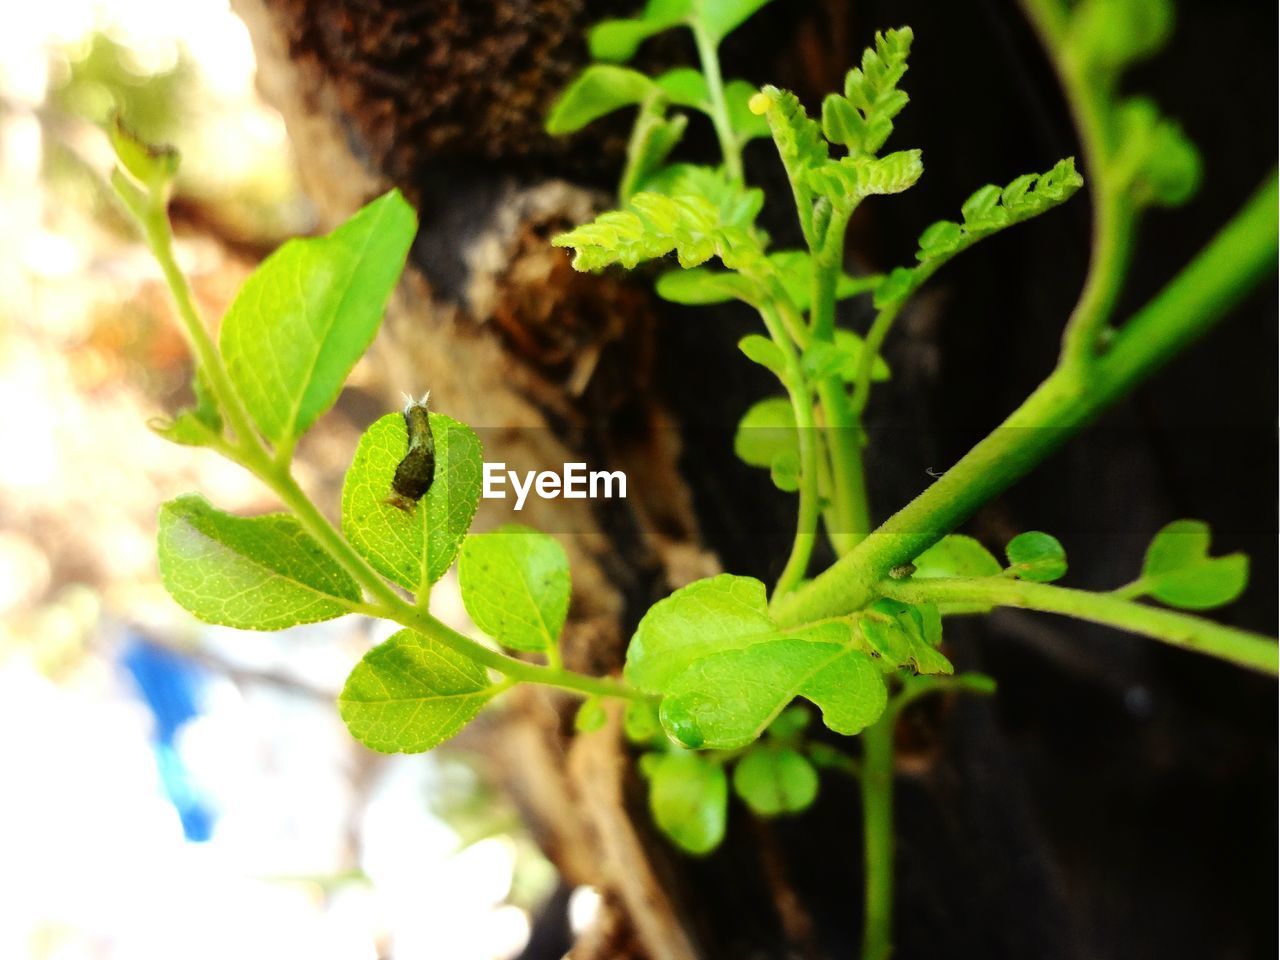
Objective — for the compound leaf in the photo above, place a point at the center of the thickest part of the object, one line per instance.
(309, 312)
(862, 119)
(415, 547)
(515, 586)
(411, 693)
(255, 573)
(1179, 571)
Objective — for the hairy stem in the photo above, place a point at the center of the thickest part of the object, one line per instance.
(1241, 254)
(1241, 647)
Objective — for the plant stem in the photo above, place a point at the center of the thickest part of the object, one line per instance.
(1242, 253)
(1241, 647)
(730, 148)
(797, 564)
(1113, 214)
(876, 776)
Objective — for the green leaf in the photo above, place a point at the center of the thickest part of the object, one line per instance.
(785, 471)
(765, 352)
(198, 426)
(591, 716)
(725, 699)
(862, 119)
(689, 799)
(413, 548)
(797, 136)
(697, 619)
(255, 573)
(654, 136)
(655, 225)
(1156, 161)
(153, 165)
(737, 205)
(745, 123)
(957, 555)
(1110, 34)
(618, 40)
(765, 431)
(515, 586)
(721, 17)
(847, 181)
(687, 87)
(773, 780)
(1036, 556)
(904, 635)
(699, 286)
(411, 693)
(640, 721)
(598, 90)
(841, 358)
(1179, 571)
(309, 312)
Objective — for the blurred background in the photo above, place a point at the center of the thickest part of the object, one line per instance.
(171, 789)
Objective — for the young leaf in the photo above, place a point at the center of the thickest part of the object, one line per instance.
(414, 548)
(515, 586)
(309, 312)
(687, 87)
(689, 799)
(721, 17)
(152, 165)
(905, 636)
(957, 555)
(697, 619)
(797, 136)
(656, 225)
(598, 90)
(1036, 556)
(841, 358)
(700, 286)
(1179, 571)
(726, 698)
(255, 573)
(591, 716)
(765, 352)
(766, 430)
(618, 40)
(411, 693)
(1161, 167)
(198, 426)
(785, 471)
(845, 182)
(653, 138)
(773, 780)
(862, 119)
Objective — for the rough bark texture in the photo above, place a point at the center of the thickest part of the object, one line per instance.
(1117, 799)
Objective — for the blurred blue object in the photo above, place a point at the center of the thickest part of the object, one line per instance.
(171, 685)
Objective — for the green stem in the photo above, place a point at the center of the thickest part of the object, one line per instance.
(730, 148)
(1241, 647)
(1113, 215)
(1242, 253)
(876, 776)
(797, 564)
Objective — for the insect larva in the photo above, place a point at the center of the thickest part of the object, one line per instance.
(415, 472)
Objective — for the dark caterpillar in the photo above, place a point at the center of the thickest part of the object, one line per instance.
(415, 472)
